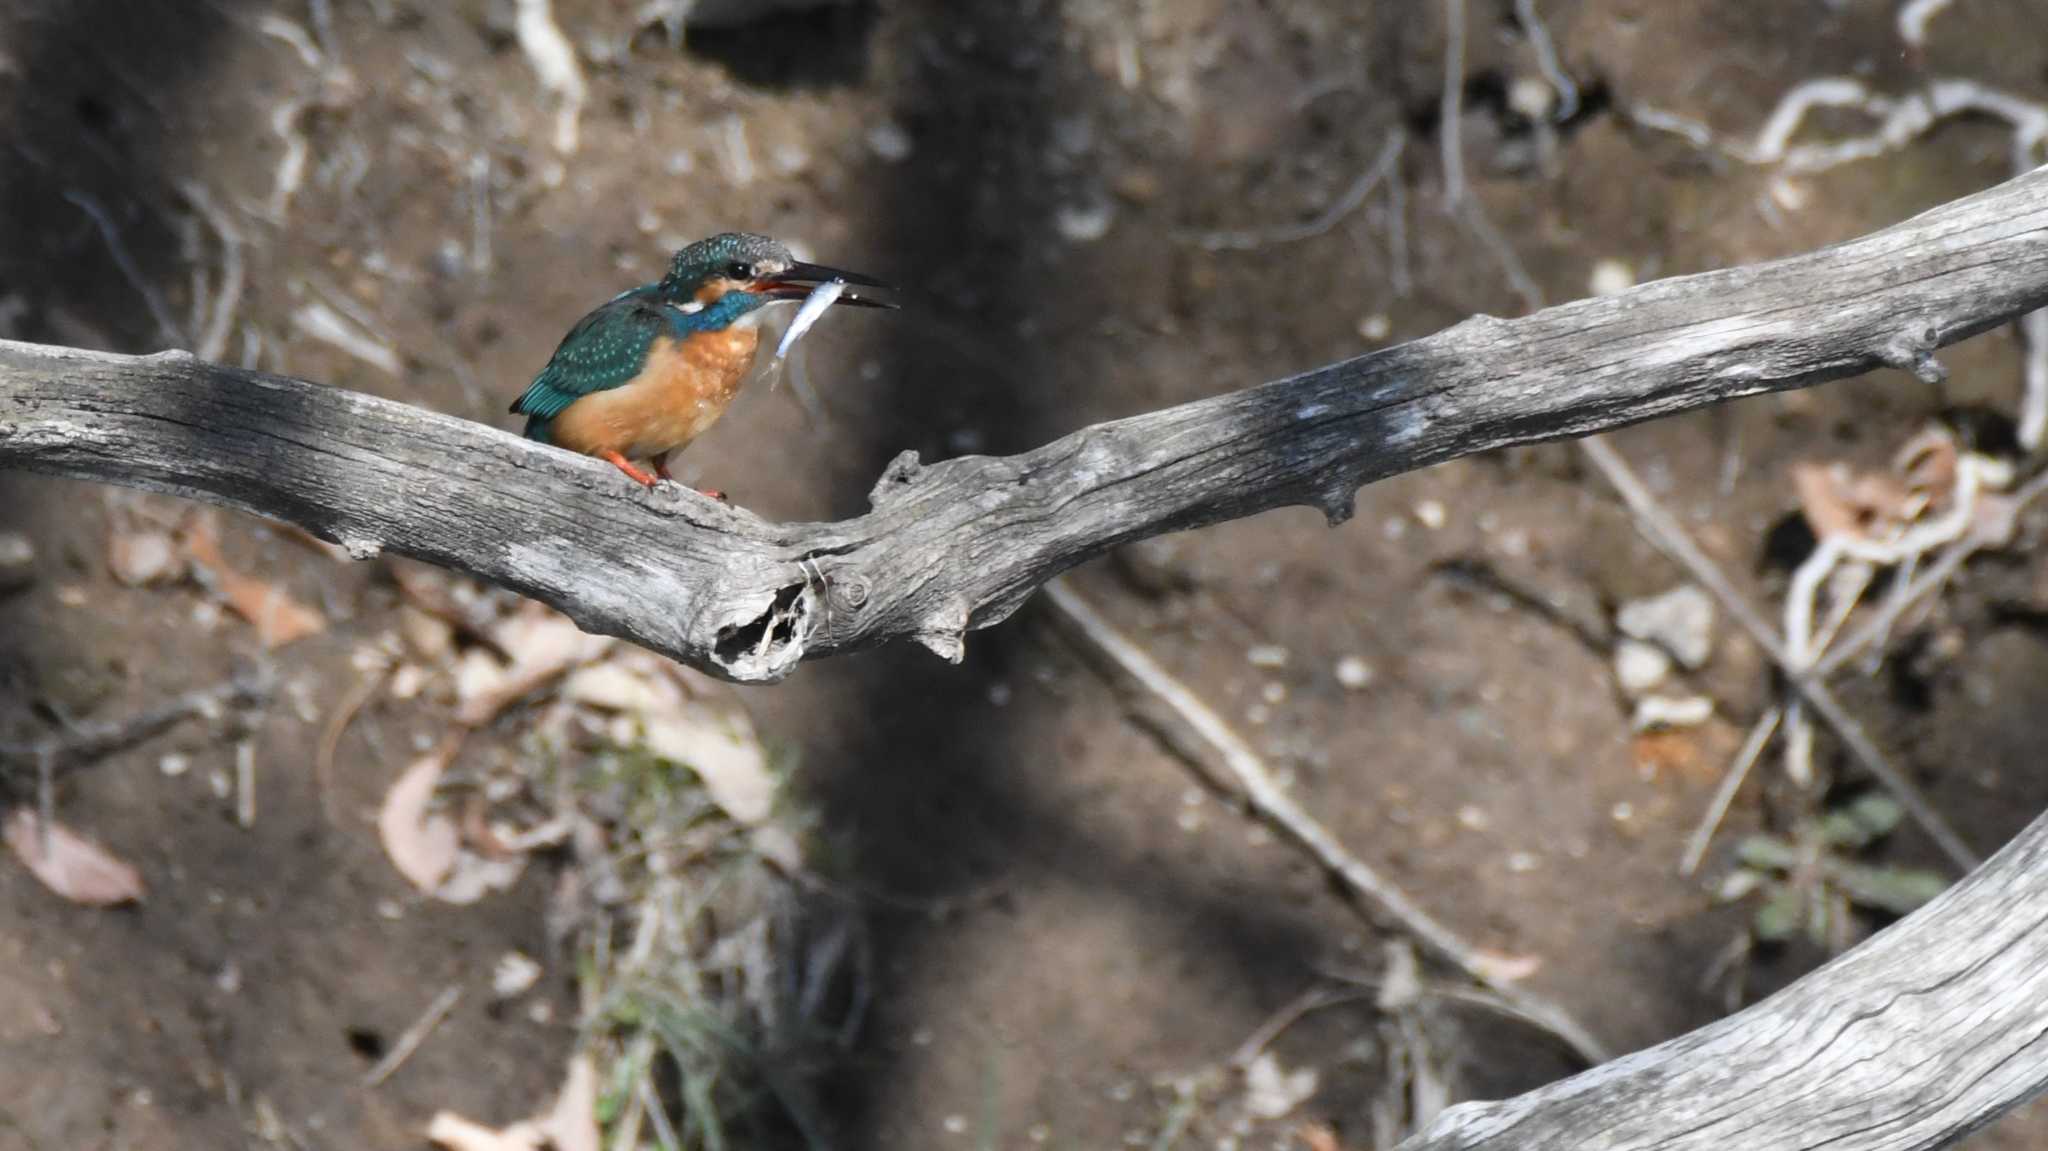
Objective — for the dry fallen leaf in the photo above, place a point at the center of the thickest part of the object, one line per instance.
(458, 1134)
(722, 749)
(543, 644)
(1838, 502)
(279, 618)
(423, 845)
(572, 1125)
(1318, 1137)
(70, 864)
(719, 745)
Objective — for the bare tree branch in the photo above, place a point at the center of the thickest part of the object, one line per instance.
(1914, 1040)
(962, 543)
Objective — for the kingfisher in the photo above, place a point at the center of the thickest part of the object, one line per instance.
(650, 369)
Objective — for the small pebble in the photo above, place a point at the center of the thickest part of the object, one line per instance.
(1375, 328)
(1639, 666)
(1624, 811)
(1431, 514)
(1611, 277)
(956, 1124)
(174, 765)
(1681, 621)
(889, 142)
(1656, 712)
(1532, 97)
(1522, 862)
(1354, 673)
(1789, 194)
(1474, 819)
(1084, 223)
(1274, 693)
(407, 681)
(1267, 655)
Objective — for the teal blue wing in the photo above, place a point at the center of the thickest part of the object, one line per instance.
(605, 350)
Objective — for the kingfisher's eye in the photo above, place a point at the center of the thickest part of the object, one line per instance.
(739, 271)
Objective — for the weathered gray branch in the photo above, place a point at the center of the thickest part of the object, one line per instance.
(962, 543)
(1914, 1040)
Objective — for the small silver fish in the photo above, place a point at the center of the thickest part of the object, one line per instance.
(821, 298)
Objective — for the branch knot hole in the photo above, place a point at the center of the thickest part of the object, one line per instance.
(767, 646)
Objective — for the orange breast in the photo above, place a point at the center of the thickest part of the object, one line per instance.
(686, 385)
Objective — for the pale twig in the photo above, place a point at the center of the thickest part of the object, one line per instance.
(1664, 531)
(1397, 232)
(213, 337)
(329, 326)
(480, 213)
(410, 1040)
(1914, 17)
(1381, 900)
(1657, 119)
(1547, 61)
(553, 59)
(2033, 329)
(1901, 120)
(1452, 110)
(111, 235)
(291, 166)
(245, 783)
(1724, 795)
(1351, 200)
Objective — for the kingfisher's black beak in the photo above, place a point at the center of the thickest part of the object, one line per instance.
(799, 280)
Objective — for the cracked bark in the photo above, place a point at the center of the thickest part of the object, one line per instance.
(1916, 1039)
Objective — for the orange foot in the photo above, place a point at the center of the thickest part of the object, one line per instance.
(623, 464)
(714, 493)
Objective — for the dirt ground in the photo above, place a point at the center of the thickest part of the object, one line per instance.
(1064, 922)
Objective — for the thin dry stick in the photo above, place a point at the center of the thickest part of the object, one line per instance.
(1717, 810)
(415, 1035)
(1452, 111)
(1661, 529)
(86, 742)
(1263, 796)
(111, 235)
(330, 736)
(1353, 198)
(1547, 61)
(213, 335)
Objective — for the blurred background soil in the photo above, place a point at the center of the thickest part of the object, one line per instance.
(1063, 923)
